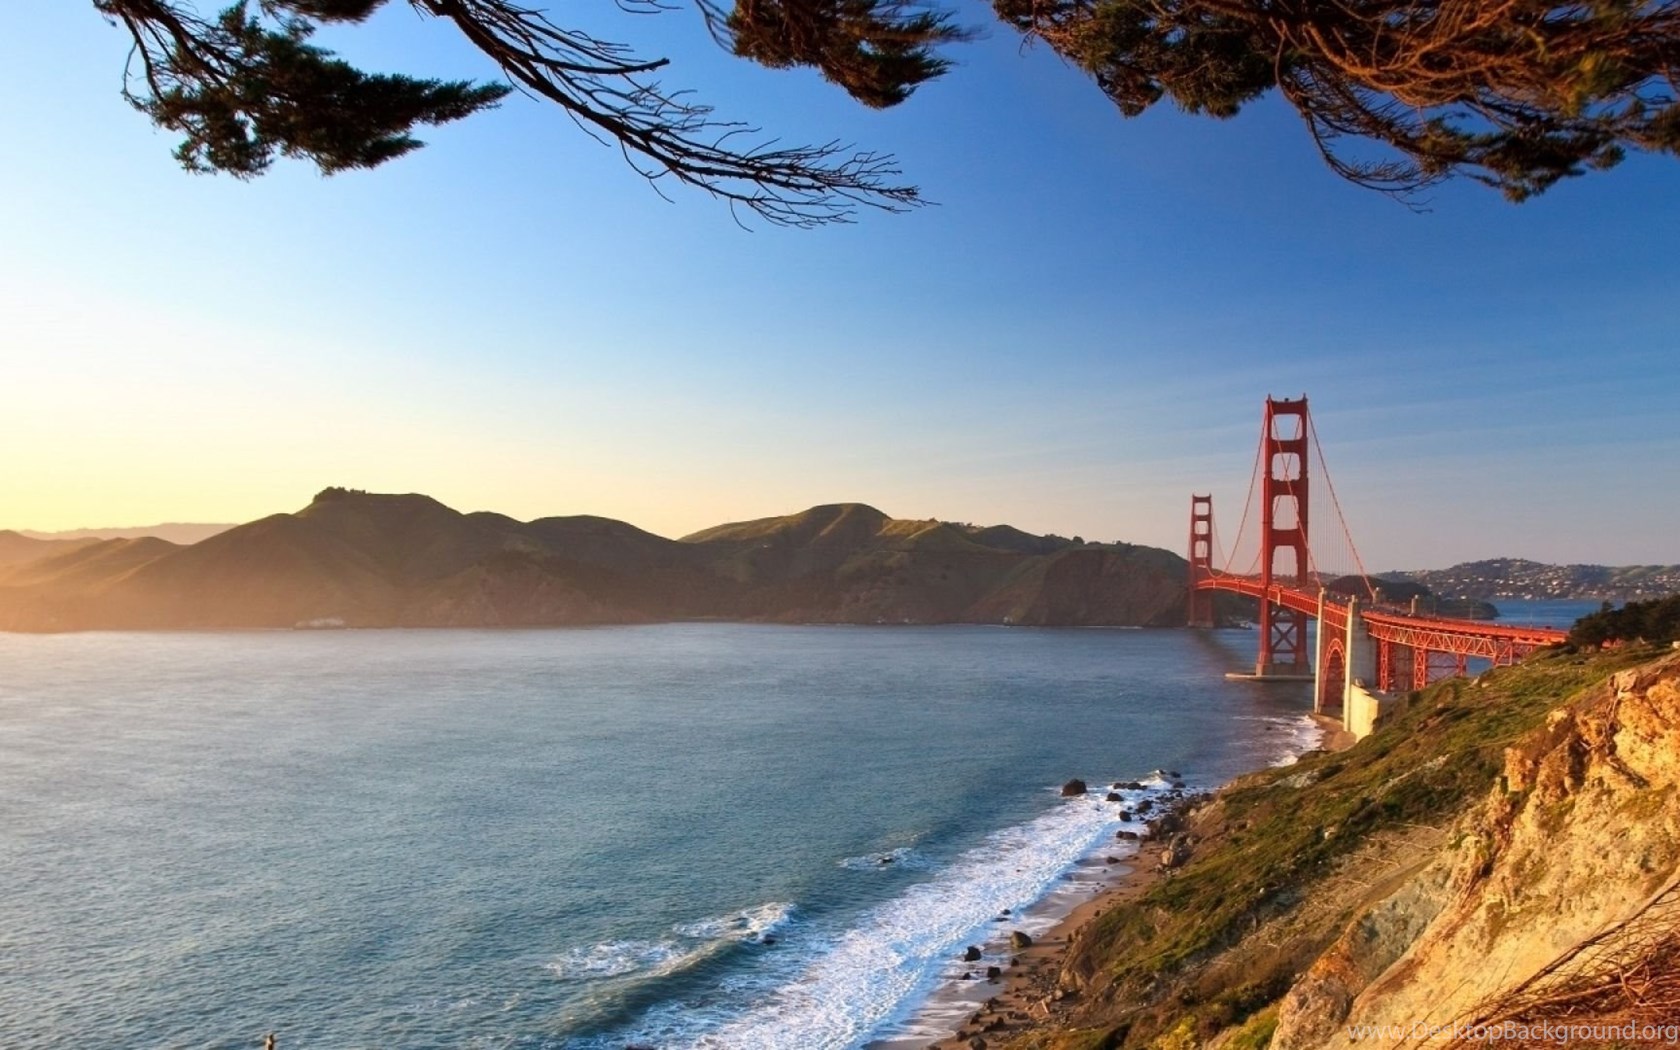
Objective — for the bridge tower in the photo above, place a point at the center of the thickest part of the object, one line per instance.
(1283, 537)
(1199, 603)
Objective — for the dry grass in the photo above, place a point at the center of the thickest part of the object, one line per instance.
(1609, 989)
(1284, 839)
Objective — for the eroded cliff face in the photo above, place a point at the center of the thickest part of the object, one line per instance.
(1487, 858)
(1577, 843)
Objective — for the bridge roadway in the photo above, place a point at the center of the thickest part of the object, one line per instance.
(1357, 649)
(1408, 650)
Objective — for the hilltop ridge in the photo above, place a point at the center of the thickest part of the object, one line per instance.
(17, 547)
(364, 559)
(173, 531)
(1494, 578)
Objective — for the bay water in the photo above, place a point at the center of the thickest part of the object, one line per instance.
(1560, 613)
(673, 836)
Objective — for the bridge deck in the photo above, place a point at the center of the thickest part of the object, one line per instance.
(1437, 634)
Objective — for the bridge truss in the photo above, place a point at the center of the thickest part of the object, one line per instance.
(1398, 648)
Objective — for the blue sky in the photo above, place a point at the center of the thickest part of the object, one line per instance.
(1078, 335)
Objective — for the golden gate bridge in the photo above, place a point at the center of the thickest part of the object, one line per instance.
(1366, 653)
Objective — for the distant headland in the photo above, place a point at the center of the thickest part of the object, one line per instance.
(359, 559)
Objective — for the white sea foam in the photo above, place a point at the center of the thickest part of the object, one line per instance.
(751, 924)
(902, 858)
(690, 944)
(1295, 735)
(613, 959)
(839, 991)
(1289, 736)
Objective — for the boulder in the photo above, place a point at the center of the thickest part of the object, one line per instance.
(1073, 787)
(1176, 853)
(994, 974)
(1019, 940)
(1113, 796)
(972, 954)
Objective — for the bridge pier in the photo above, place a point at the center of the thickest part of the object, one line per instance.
(1361, 666)
(1364, 705)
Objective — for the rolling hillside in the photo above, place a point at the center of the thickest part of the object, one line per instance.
(182, 532)
(359, 559)
(16, 548)
(1496, 578)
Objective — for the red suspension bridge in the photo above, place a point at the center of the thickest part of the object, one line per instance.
(1364, 646)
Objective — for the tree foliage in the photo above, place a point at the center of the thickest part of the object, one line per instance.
(245, 86)
(1513, 93)
(1657, 620)
(241, 91)
(1397, 94)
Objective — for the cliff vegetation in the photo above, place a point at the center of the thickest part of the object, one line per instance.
(1506, 853)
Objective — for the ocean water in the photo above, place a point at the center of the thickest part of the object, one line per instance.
(1545, 612)
(677, 836)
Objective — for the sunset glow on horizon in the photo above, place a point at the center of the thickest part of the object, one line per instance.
(1078, 337)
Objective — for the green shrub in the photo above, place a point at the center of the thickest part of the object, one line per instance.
(1657, 620)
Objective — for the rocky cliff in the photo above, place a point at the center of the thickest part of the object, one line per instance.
(1506, 855)
(1562, 876)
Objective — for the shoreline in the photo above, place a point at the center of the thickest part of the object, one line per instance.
(954, 1003)
(1026, 994)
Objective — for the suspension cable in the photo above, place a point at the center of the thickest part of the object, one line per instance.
(1248, 503)
(1337, 503)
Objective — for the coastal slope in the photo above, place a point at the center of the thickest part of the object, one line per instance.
(1507, 853)
(850, 563)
